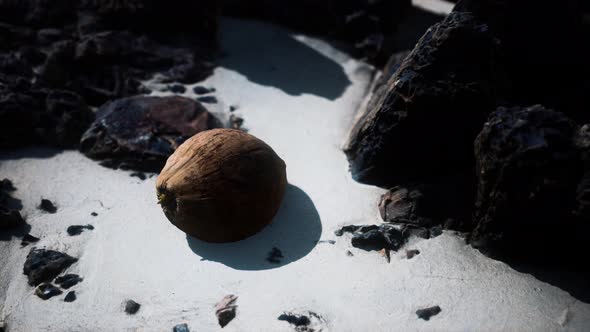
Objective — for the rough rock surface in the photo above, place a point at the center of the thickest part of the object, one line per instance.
(44, 265)
(528, 170)
(55, 59)
(225, 310)
(142, 132)
(425, 122)
(47, 291)
(375, 237)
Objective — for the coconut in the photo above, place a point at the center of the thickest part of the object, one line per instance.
(222, 185)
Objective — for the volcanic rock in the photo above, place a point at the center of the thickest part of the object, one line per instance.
(528, 170)
(424, 122)
(68, 280)
(142, 132)
(44, 265)
(47, 290)
(375, 237)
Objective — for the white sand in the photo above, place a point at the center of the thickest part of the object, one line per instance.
(301, 102)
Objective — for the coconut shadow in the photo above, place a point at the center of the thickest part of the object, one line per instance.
(294, 231)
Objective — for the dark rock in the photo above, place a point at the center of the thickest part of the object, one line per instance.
(47, 206)
(275, 256)
(304, 322)
(181, 328)
(232, 108)
(94, 214)
(297, 320)
(423, 124)
(528, 170)
(68, 280)
(207, 99)
(235, 122)
(44, 265)
(225, 310)
(47, 290)
(177, 88)
(28, 239)
(10, 217)
(411, 253)
(70, 296)
(78, 229)
(132, 307)
(374, 237)
(426, 313)
(142, 132)
(139, 175)
(349, 253)
(201, 90)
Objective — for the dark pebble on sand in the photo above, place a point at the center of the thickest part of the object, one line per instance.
(411, 253)
(426, 313)
(201, 90)
(94, 214)
(78, 229)
(28, 239)
(132, 307)
(68, 280)
(177, 88)
(47, 290)
(181, 328)
(47, 206)
(70, 296)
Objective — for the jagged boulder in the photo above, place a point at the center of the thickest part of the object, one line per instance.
(424, 122)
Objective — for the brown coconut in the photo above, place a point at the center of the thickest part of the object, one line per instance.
(222, 185)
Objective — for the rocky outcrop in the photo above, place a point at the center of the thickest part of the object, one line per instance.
(528, 171)
(44, 265)
(142, 132)
(425, 121)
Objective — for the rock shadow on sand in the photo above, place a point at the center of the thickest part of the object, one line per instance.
(293, 233)
(269, 55)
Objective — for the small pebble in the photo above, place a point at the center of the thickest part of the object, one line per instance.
(139, 175)
(47, 290)
(201, 90)
(47, 206)
(78, 229)
(94, 214)
(70, 296)
(132, 307)
(181, 328)
(207, 100)
(274, 256)
(233, 108)
(225, 310)
(426, 313)
(177, 88)
(411, 253)
(68, 280)
(28, 239)
(349, 253)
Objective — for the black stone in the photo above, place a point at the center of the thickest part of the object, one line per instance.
(47, 290)
(225, 310)
(140, 133)
(426, 313)
(177, 88)
(140, 175)
(293, 319)
(47, 206)
(411, 253)
(78, 229)
(275, 256)
(232, 108)
(70, 296)
(94, 214)
(28, 239)
(207, 99)
(201, 90)
(132, 307)
(528, 171)
(375, 237)
(68, 280)
(44, 265)
(181, 328)
(423, 123)
(10, 217)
